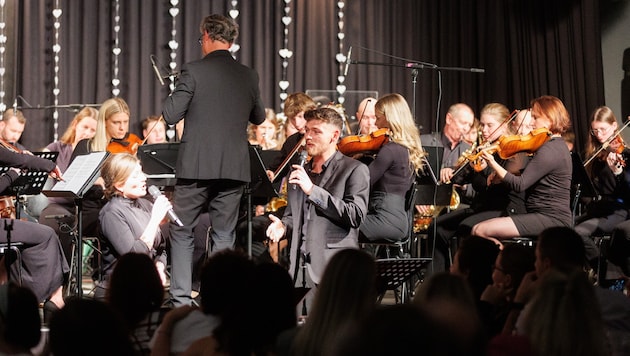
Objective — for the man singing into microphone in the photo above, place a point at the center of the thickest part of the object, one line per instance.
(329, 202)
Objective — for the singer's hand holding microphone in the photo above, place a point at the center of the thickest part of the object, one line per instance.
(299, 177)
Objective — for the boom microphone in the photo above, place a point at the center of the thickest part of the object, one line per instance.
(155, 193)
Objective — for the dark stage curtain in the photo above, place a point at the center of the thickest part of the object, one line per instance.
(528, 48)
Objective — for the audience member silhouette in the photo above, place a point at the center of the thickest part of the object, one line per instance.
(449, 301)
(473, 261)
(75, 329)
(19, 320)
(508, 271)
(346, 294)
(136, 293)
(257, 326)
(225, 292)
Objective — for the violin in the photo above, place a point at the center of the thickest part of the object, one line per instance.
(373, 142)
(128, 144)
(508, 146)
(9, 146)
(613, 144)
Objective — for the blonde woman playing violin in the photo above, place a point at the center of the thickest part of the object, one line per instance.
(546, 180)
(392, 171)
(606, 172)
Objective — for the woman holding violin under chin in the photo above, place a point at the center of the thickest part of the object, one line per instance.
(606, 158)
(392, 171)
(546, 180)
(492, 198)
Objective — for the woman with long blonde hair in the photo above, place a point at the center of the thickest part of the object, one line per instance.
(392, 171)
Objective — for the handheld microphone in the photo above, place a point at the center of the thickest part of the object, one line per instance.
(15, 106)
(156, 70)
(155, 192)
(301, 163)
(348, 57)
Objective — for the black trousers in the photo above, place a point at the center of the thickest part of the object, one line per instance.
(221, 198)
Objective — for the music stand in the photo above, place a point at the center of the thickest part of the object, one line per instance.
(394, 272)
(78, 178)
(259, 187)
(159, 158)
(581, 182)
(29, 182)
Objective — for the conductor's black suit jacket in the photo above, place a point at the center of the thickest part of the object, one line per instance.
(217, 96)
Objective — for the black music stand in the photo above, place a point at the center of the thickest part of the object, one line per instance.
(581, 184)
(259, 187)
(78, 179)
(29, 182)
(159, 158)
(395, 272)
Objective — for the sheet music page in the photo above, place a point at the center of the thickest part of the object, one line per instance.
(80, 171)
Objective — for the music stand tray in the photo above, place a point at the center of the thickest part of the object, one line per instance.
(159, 158)
(393, 272)
(30, 182)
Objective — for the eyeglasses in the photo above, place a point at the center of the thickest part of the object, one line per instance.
(594, 132)
(200, 39)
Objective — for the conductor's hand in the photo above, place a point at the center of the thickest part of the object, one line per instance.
(300, 177)
(446, 174)
(276, 229)
(161, 206)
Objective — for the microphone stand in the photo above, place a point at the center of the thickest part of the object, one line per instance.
(70, 107)
(415, 66)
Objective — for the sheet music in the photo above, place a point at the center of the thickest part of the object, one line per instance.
(81, 174)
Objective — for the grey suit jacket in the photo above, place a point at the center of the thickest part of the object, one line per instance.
(217, 96)
(335, 210)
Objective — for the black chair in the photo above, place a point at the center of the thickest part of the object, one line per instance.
(397, 273)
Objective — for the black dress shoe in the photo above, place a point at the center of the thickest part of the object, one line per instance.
(49, 310)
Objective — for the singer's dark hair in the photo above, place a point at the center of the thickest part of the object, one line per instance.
(116, 169)
(326, 115)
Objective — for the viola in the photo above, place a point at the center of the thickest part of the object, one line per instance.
(354, 144)
(508, 146)
(128, 144)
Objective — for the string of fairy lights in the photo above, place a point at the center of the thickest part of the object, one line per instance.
(116, 51)
(173, 44)
(234, 14)
(3, 48)
(56, 53)
(284, 52)
(341, 57)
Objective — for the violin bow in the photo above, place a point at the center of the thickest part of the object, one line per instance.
(466, 160)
